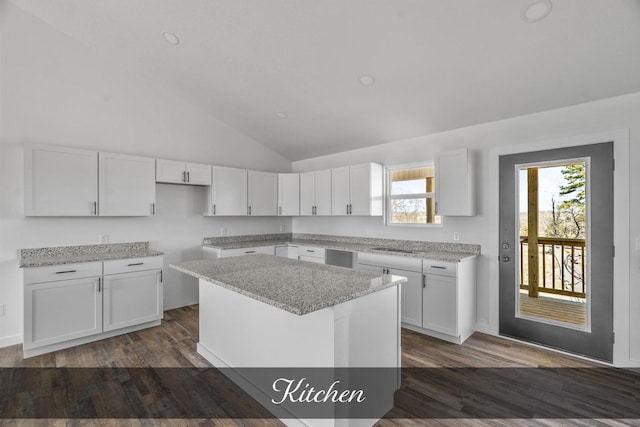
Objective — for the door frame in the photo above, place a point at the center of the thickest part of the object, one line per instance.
(621, 289)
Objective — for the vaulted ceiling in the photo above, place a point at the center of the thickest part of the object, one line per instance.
(436, 64)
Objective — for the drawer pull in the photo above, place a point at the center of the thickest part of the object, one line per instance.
(438, 266)
(249, 252)
(66, 271)
(310, 250)
(135, 263)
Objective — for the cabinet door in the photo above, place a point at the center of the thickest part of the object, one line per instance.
(127, 185)
(289, 194)
(170, 171)
(340, 191)
(198, 174)
(323, 192)
(60, 181)
(411, 311)
(439, 304)
(308, 193)
(228, 195)
(366, 189)
(454, 183)
(263, 193)
(132, 298)
(60, 311)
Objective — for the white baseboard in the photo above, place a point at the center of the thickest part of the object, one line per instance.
(10, 340)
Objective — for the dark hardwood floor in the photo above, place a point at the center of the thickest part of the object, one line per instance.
(443, 384)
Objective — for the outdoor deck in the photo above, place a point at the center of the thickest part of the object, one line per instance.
(548, 307)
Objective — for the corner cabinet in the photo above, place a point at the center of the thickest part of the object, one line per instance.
(174, 172)
(262, 193)
(288, 194)
(227, 195)
(60, 181)
(72, 304)
(455, 195)
(357, 190)
(127, 185)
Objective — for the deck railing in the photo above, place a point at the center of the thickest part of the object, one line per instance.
(561, 263)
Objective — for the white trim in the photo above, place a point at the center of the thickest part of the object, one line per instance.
(621, 302)
(10, 340)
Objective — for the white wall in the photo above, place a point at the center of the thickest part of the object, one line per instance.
(57, 91)
(596, 117)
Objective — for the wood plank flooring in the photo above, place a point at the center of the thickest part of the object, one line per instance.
(173, 345)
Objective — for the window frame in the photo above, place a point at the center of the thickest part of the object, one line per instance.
(389, 197)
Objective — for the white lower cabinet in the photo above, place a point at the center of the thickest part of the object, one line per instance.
(132, 298)
(439, 312)
(72, 304)
(213, 253)
(411, 290)
(61, 311)
(311, 254)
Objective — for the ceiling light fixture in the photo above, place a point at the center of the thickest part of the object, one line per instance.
(171, 38)
(366, 80)
(281, 115)
(537, 11)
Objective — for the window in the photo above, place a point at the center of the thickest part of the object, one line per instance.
(411, 195)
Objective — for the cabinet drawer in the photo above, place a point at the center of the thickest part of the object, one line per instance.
(54, 273)
(311, 251)
(440, 268)
(390, 261)
(268, 250)
(132, 264)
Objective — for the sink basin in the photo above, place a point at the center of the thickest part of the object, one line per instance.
(404, 251)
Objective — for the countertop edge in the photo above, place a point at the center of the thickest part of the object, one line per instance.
(36, 262)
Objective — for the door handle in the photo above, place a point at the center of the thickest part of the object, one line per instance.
(506, 259)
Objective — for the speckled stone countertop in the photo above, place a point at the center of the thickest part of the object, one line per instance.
(41, 257)
(437, 251)
(299, 287)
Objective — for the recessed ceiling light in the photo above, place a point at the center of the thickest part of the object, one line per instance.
(171, 38)
(366, 80)
(281, 114)
(537, 11)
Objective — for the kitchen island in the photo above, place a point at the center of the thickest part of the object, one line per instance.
(262, 311)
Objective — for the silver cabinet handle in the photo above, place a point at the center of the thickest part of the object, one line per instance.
(153, 209)
(188, 176)
(310, 250)
(314, 210)
(438, 266)
(249, 252)
(184, 176)
(95, 208)
(347, 209)
(249, 210)
(160, 276)
(135, 263)
(66, 271)
(424, 281)
(214, 209)
(99, 284)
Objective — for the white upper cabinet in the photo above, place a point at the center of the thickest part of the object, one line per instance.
(127, 185)
(357, 190)
(315, 193)
(60, 181)
(174, 172)
(263, 193)
(288, 194)
(454, 183)
(228, 192)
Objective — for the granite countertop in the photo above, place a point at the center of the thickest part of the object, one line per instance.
(449, 252)
(59, 255)
(298, 287)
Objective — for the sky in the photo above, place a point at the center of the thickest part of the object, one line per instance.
(549, 181)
